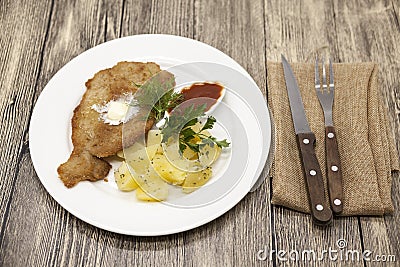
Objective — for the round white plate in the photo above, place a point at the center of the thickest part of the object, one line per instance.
(245, 118)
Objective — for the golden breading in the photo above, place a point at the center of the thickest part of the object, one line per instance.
(81, 166)
(92, 138)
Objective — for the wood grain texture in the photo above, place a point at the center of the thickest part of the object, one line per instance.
(372, 35)
(173, 17)
(314, 182)
(36, 231)
(59, 238)
(237, 29)
(21, 43)
(335, 183)
(300, 30)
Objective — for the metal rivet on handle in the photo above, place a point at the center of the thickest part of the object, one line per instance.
(313, 172)
(319, 207)
(337, 202)
(334, 168)
(306, 141)
(330, 135)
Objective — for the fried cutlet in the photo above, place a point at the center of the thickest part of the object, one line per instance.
(92, 138)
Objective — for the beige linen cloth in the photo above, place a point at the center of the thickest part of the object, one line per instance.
(366, 145)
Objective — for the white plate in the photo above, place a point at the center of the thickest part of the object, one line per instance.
(100, 203)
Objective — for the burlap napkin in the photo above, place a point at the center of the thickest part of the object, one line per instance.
(366, 144)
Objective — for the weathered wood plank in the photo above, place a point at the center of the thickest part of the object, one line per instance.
(83, 244)
(237, 29)
(37, 231)
(158, 17)
(59, 238)
(136, 17)
(40, 232)
(168, 17)
(299, 30)
(394, 109)
(22, 41)
(369, 31)
(396, 9)
(77, 26)
(173, 17)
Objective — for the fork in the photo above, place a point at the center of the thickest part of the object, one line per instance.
(333, 166)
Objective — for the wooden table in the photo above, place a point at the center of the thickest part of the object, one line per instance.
(39, 37)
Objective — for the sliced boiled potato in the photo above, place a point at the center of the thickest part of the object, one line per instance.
(197, 127)
(154, 137)
(194, 180)
(189, 154)
(124, 178)
(130, 150)
(141, 195)
(160, 150)
(151, 187)
(152, 150)
(171, 152)
(138, 161)
(156, 165)
(208, 154)
(167, 171)
(121, 154)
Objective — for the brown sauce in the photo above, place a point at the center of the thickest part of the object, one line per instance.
(204, 93)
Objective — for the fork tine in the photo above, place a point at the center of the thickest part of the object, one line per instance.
(317, 82)
(324, 85)
(331, 83)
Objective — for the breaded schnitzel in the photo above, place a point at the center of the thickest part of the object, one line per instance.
(92, 138)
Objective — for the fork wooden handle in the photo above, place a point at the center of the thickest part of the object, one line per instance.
(334, 170)
(320, 210)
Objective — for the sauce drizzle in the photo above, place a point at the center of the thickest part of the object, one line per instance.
(207, 93)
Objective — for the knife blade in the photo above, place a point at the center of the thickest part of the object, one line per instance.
(320, 210)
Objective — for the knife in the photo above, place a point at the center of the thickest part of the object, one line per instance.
(320, 210)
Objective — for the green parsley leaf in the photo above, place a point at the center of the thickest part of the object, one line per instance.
(179, 118)
(179, 124)
(188, 132)
(192, 146)
(191, 122)
(158, 96)
(222, 143)
(209, 123)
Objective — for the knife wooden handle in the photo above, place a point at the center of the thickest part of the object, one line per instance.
(334, 170)
(320, 210)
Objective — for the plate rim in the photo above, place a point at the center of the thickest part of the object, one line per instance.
(206, 219)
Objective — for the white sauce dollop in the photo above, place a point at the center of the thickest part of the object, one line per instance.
(117, 111)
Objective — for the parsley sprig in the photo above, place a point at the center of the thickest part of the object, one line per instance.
(180, 122)
(158, 95)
